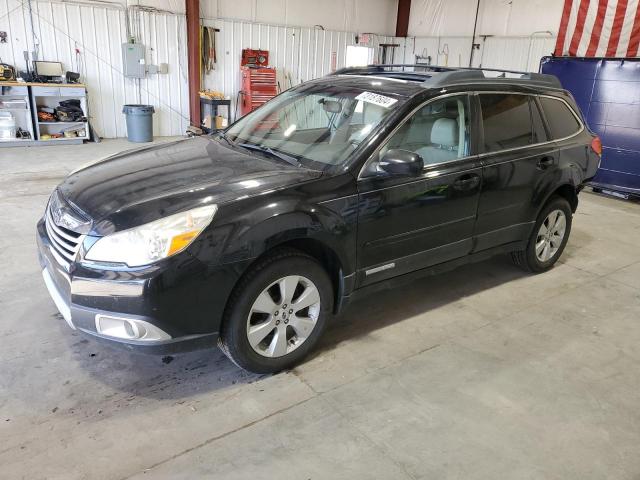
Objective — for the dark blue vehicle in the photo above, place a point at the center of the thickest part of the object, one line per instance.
(254, 237)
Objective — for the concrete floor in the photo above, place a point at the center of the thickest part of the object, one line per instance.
(481, 373)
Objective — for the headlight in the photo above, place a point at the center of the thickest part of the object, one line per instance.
(152, 241)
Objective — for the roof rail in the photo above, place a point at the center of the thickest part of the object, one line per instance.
(437, 76)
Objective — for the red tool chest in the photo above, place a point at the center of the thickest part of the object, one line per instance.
(258, 86)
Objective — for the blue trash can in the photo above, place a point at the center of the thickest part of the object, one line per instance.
(139, 122)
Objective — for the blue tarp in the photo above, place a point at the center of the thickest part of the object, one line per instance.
(608, 93)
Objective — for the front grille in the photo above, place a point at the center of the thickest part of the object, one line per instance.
(64, 241)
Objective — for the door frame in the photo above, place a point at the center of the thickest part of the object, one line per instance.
(470, 161)
(473, 133)
(521, 154)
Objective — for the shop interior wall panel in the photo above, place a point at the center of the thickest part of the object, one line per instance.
(97, 32)
(299, 53)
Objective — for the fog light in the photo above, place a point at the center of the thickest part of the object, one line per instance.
(134, 329)
(129, 328)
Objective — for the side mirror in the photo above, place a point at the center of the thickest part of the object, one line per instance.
(401, 162)
(331, 106)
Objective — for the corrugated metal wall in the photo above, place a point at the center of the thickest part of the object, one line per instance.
(445, 51)
(298, 53)
(97, 33)
(516, 53)
(513, 53)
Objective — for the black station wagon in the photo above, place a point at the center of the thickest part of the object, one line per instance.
(253, 237)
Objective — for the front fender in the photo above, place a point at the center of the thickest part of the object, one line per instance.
(333, 224)
(244, 232)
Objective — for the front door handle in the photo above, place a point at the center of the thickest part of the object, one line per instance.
(545, 162)
(467, 182)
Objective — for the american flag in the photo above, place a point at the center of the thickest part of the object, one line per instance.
(599, 28)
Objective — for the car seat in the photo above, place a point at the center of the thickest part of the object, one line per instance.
(444, 142)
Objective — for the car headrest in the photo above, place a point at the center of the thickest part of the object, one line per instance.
(445, 132)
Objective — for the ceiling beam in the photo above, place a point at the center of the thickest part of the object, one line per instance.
(402, 20)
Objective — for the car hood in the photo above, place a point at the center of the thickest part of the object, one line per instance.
(139, 186)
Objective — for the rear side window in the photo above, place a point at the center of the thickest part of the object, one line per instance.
(507, 121)
(562, 122)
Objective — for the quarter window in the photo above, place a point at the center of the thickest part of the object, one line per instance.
(438, 132)
(539, 131)
(562, 122)
(507, 121)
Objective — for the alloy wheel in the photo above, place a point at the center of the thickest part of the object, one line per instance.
(283, 316)
(550, 235)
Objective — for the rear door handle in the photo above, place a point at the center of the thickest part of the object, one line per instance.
(467, 182)
(545, 162)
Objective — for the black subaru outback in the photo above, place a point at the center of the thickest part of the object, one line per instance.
(254, 237)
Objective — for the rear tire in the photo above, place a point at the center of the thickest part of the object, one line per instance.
(277, 312)
(548, 237)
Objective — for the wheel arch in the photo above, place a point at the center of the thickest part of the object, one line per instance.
(326, 256)
(566, 190)
(569, 192)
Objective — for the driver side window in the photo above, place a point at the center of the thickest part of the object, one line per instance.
(438, 132)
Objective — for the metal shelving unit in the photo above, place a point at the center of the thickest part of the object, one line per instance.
(50, 96)
(212, 105)
(32, 95)
(17, 95)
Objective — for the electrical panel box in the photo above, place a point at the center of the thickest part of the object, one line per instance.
(133, 58)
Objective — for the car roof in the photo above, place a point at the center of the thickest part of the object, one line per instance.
(408, 80)
(383, 85)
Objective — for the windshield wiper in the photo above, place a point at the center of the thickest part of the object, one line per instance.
(282, 156)
(223, 136)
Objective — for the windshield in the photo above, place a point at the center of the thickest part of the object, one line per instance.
(317, 125)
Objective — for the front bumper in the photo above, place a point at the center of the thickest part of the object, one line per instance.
(181, 297)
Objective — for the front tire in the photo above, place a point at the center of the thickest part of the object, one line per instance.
(277, 312)
(548, 238)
